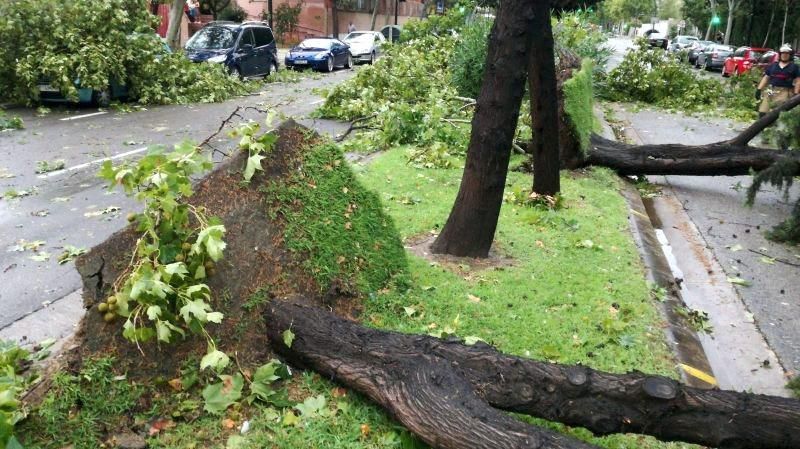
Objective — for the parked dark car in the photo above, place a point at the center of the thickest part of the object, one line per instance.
(656, 39)
(319, 53)
(246, 49)
(742, 60)
(694, 49)
(713, 56)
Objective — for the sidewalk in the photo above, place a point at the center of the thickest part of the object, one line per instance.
(709, 237)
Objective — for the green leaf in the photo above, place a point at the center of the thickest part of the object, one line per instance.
(219, 396)
(195, 309)
(214, 359)
(288, 338)
(253, 164)
(739, 281)
(200, 273)
(163, 332)
(471, 340)
(312, 406)
(214, 317)
(153, 312)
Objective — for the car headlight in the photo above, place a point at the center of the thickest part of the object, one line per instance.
(220, 58)
(320, 56)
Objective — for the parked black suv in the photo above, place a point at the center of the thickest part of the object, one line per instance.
(247, 49)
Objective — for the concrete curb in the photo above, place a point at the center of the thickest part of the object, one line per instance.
(693, 364)
(735, 356)
(58, 320)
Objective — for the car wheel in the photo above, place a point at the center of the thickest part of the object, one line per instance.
(102, 98)
(705, 66)
(372, 58)
(329, 64)
(349, 63)
(235, 72)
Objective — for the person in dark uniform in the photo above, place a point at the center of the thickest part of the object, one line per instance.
(780, 80)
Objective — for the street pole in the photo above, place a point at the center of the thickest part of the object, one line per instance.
(269, 7)
(396, 2)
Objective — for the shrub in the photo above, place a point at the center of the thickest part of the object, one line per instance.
(468, 58)
(94, 42)
(652, 76)
(232, 12)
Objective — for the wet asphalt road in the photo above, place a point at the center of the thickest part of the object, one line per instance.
(72, 206)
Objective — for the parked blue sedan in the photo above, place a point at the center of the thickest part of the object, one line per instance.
(319, 53)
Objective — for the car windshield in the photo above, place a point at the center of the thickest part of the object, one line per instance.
(315, 44)
(686, 39)
(364, 38)
(212, 38)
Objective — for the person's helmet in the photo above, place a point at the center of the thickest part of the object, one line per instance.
(785, 48)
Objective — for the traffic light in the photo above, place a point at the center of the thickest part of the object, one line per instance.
(715, 20)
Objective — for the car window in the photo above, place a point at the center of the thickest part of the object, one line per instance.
(766, 57)
(324, 44)
(212, 38)
(739, 52)
(755, 55)
(263, 36)
(247, 38)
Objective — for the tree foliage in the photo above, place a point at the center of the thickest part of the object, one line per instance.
(93, 43)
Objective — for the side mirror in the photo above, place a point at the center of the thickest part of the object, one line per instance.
(246, 48)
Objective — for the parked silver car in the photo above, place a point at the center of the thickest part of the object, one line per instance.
(713, 56)
(365, 46)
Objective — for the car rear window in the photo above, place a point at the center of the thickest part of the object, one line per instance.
(212, 38)
(324, 44)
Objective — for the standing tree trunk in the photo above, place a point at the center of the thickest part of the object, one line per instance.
(174, 30)
(769, 26)
(469, 230)
(785, 15)
(544, 111)
(374, 14)
(729, 25)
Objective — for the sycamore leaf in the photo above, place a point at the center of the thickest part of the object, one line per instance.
(214, 317)
(221, 395)
(739, 281)
(163, 332)
(196, 308)
(153, 312)
(471, 340)
(312, 406)
(410, 311)
(253, 164)
(288, 338)
(215, 359)
(290, 419)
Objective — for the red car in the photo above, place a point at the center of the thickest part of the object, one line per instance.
(742, 60)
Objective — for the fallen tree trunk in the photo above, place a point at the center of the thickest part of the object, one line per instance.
(732, 157)
(716, 159)
(446, 392)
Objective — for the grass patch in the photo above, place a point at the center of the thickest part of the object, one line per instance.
(579, 103)
(336, 224)
(79, 409)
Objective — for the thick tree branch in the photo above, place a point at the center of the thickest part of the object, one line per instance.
(716, 159)
(429, 370)
(769, 118)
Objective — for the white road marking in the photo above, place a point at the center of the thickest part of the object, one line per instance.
(83, 116)
(90, 163)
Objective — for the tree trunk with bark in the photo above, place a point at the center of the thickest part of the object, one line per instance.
(544, 111)
(449, 394)
(174, 29)
(769, 25)
(732, 157)
(469, 230)
(729, 26)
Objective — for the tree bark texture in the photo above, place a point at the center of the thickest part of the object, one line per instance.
(717, 159)
(447, 393)
(174, 28)
(732, 157)
(544, 111)
(469, 230)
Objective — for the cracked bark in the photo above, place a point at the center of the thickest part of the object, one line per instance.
(447, 393)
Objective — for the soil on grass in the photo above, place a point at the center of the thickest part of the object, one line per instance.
(420, 246)
(256, 268)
